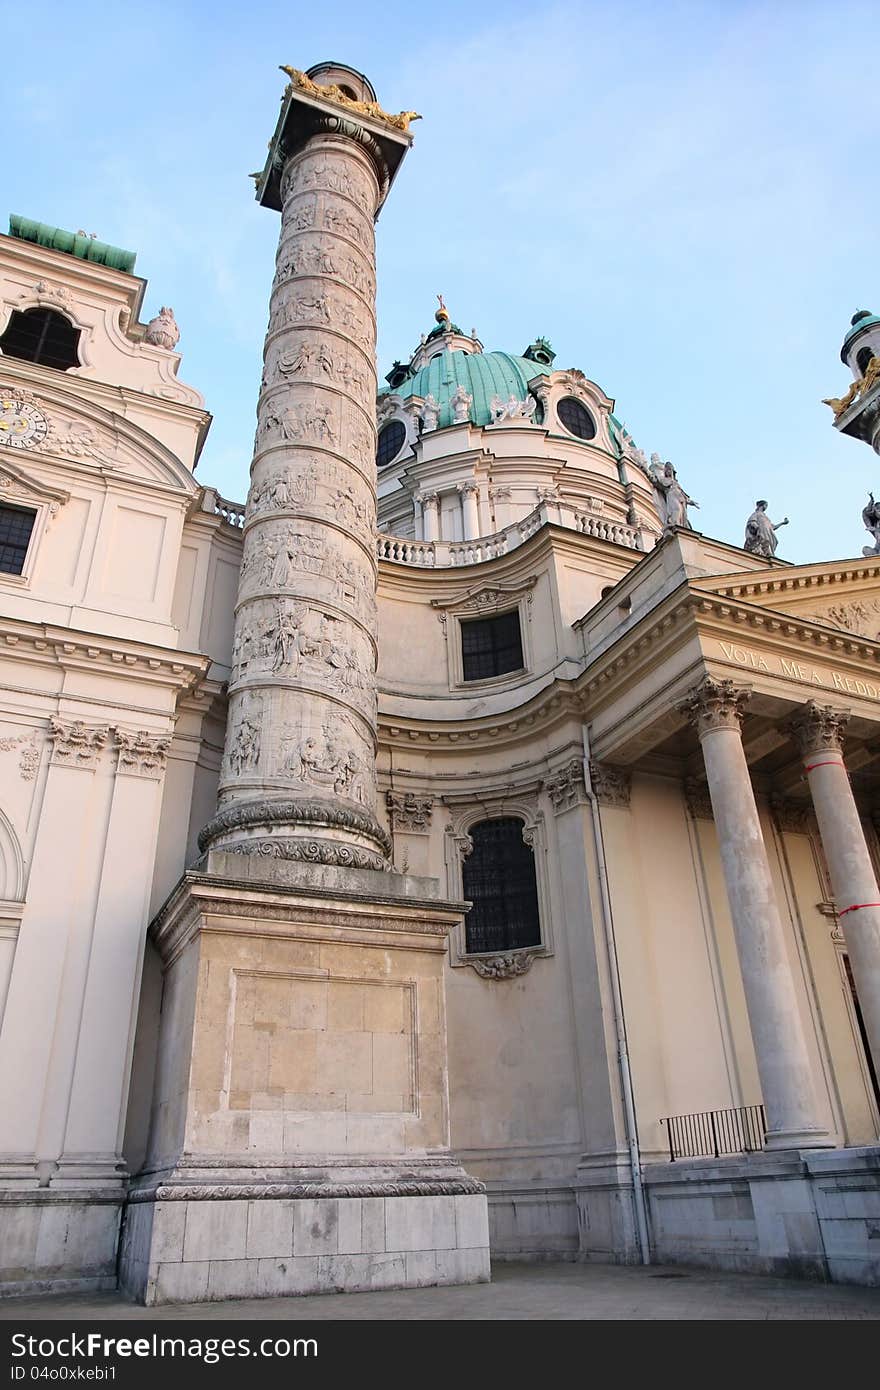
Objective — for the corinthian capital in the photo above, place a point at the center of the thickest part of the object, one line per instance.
(715, 704)
(819, 728)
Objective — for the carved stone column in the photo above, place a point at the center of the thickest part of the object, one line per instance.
(298, 779)
(430, 515)
(470, 514)
(715, 709)
(819, 732)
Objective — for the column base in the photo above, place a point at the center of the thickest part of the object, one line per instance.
(607, 1229)
(782, 1139)
(58, 1242)
(197, 1243)
(806, 1214)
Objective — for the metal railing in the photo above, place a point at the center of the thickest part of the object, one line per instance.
(715, 1133)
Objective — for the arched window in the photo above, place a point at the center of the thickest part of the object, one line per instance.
(498, 877)
(863, 357)
(42, 335)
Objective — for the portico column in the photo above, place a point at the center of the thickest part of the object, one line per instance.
(715, 708)
(431, 515)
(470, 516)
(819, 732)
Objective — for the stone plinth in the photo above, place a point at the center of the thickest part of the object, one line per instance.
(811, 1213)
(299, 1135)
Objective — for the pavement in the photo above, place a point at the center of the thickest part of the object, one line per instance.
(551, 1292)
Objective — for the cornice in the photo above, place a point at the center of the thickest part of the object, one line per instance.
(776, 623)
(74, 650)
(800, 580)
(557, 702)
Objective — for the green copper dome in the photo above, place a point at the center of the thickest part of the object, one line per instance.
(482, 374)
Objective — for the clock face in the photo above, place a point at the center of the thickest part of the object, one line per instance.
(22, 424)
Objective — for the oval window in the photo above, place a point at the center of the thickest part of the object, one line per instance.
(391, 440)
(576, 418)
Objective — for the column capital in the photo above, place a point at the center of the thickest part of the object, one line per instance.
(819, 728)
(715, 704)
(469, 485)
(308, 109)
(611, 785)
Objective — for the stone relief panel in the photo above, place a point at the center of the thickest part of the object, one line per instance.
(312, 356)
(292, 557)
(410, 812)
(28, 748)
(327, 177)
(331, 759)
(320, 488)
(307, 648)
(861, 616)
(302, 259)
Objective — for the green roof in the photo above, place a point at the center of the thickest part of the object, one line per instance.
(72, 243)
(482, 374)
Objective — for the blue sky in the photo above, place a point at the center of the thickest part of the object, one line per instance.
(682, 196)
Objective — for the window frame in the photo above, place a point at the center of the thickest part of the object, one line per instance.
(470, 622)
(23, 310)
(458, 845)
(487, 602)
(20, 489)
(513, 821)
(18, 505)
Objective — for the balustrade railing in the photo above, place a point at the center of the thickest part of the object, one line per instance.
(449, 554)
(233, 512)
(716, 1133)
(445, 554)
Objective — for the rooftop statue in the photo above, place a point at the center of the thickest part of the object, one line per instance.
(162, 331)
(675, 501)
(859, 388)
(761, 532)
(335, 94)
(871, 518)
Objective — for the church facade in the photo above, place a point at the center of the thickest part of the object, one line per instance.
(460, 644)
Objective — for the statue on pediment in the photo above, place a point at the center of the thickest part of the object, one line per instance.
(675, 501)
(761, 532)
(871, 518)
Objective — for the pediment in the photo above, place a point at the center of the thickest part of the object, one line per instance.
(843, 597)
(81, 431)
(17, 484)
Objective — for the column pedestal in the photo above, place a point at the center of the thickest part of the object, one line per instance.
(793, 1120)
(300, 1133)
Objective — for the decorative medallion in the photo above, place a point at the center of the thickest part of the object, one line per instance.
(22, 423)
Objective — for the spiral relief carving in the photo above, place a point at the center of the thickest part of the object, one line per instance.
(302, 711)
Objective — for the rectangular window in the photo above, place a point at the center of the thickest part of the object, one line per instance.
(491, 646)
(16, 525)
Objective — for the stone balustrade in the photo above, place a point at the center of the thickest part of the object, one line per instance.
(233, 512)
(449, 554)
(453, 554)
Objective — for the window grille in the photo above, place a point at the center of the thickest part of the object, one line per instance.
(41, 335)
(498, 877)
(16, 526)
(491, 646)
